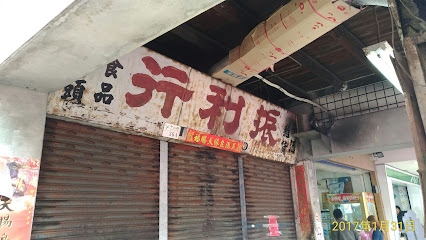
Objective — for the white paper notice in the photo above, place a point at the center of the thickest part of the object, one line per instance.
(171, 131)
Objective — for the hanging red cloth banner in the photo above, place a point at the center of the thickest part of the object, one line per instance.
(305, 223)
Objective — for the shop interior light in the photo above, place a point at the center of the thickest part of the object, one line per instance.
(380, 56)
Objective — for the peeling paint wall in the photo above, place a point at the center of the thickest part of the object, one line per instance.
(143, 90)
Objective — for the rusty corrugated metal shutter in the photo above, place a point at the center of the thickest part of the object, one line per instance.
(96, 184)
(204, 195)
(268, 192)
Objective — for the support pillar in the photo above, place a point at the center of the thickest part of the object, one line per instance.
(387, 209)
(305, 173)
(163, 218)
(242, 199)
(22, 123)
(411, 74)
(378, 200)
(22, 120)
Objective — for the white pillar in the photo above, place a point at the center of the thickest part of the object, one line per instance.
(313, 198)
(22, 120)
(163, 202)
(386, 191)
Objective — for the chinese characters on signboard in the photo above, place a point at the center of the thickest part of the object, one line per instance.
(273, 227)
(213, 141)
(143, 90)
(18, 187)
(302, 199)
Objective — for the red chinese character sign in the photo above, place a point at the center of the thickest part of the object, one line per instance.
(148, 84)
(143, 90)
(302, 199)
(267, 126)
(18, 187)
(218, 102)
(213, 141)
(273, 227)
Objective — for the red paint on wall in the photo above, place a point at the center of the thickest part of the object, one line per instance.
(268, 126)
(143, 81)
(218, 102)
(152, 65)
(148, 83)
(231, 127)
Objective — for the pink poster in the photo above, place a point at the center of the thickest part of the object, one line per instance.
(18, 187)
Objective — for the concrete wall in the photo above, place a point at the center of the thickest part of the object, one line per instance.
(373, 132)
(406, 154)
(22, 119)
(363, 161)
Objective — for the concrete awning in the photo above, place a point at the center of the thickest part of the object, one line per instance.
(89, 34)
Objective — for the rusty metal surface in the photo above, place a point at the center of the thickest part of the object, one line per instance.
(268, 192)
(96, 184)
(204, 200)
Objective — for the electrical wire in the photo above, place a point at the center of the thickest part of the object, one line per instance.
(321, 128)
(289, 94)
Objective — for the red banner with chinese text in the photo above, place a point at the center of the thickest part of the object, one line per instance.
(273, 227)
(213, 141)
(305, 223)
(18, 187)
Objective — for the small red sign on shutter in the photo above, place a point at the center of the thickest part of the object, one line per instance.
(273, 227)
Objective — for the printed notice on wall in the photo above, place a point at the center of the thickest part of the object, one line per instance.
(18, 187)
(171, 131)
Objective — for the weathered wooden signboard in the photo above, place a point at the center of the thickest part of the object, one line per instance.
(143, 90)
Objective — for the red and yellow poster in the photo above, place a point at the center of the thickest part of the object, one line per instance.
(18, 187)
(302, 198)
(213, 141)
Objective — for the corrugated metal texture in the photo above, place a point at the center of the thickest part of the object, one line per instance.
(96, 184)
(204, 201)
(268, 192)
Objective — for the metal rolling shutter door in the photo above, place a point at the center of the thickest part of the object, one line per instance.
(268, 192)
(96, 184)
(204, 200)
